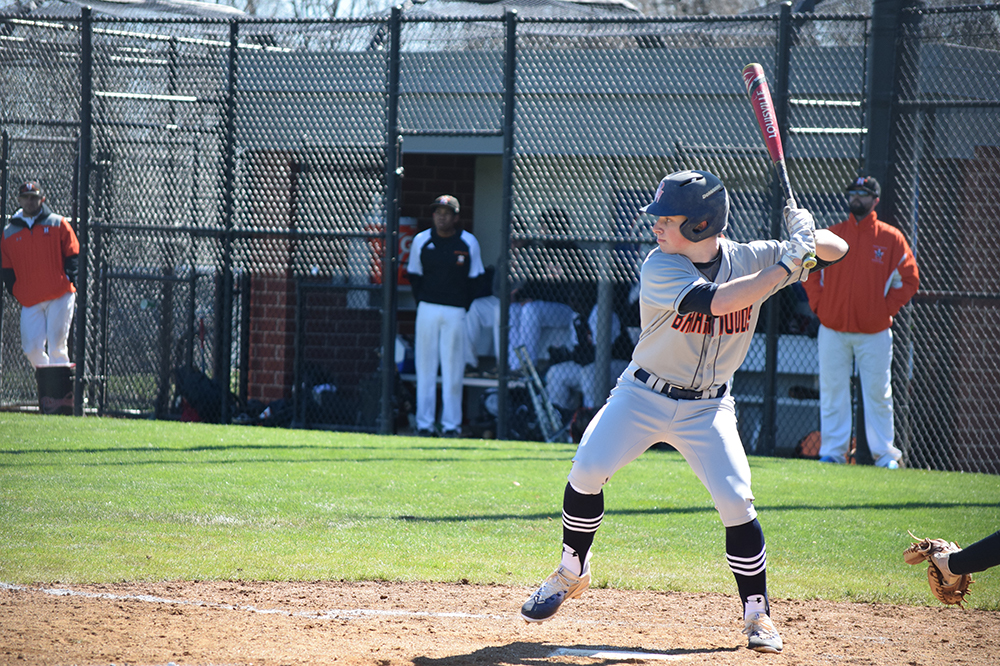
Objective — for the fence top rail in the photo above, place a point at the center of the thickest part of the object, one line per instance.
(954, 9)
(738, 18)
(54, 21)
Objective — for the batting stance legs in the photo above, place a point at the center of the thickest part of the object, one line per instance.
(704, 432)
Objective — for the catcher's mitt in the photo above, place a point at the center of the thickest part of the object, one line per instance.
(947, 587)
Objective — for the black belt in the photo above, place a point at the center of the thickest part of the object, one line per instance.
(676, 392)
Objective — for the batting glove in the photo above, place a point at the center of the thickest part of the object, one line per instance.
(800, 247)
(798, 219)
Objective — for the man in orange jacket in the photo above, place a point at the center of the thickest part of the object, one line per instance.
(855, 301)
(39, 252)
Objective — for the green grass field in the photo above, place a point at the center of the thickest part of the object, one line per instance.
(104, 500)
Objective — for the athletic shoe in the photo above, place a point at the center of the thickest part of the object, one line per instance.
(829, 459)
(763, 635)
(451, 434)
(425, 432)
(563, 584)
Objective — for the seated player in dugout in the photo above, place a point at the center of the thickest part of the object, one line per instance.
(700, 297)
(555, 289)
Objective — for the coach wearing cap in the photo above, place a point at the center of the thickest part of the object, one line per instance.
(444, 268)
(855, 301)
(38, 258)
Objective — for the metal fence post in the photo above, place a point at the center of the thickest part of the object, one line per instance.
(4, 177)
(225, 323)
(882, 120)
(509, 91)
(83, 223)
(769, 432)
(390, 258)
(882, 76)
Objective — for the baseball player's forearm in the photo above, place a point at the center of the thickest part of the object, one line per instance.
(830, 247)
(747, 290)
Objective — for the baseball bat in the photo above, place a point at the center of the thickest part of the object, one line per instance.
(763, 107)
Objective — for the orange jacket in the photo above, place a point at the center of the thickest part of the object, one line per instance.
(37, 257)
(860, 294)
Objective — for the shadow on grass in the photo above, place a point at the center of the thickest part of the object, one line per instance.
(534, 654)
(899, 506)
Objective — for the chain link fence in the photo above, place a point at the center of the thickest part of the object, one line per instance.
(248, 180)
(945, 177)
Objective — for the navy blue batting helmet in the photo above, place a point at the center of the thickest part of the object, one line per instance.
(697, 195)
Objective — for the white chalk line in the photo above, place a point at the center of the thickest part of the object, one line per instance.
(616, 654)
(332, 614)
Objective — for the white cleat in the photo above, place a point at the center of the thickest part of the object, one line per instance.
(763, 634)
(563, 584)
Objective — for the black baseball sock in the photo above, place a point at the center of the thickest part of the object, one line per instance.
(582, 515)
(747, 557)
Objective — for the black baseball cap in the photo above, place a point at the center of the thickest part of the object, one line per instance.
(30, 189)
(865, 184)
(447, 201)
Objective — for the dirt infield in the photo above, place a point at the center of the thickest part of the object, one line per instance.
(424, 624)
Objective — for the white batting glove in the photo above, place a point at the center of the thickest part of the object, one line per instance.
(797, 219)
(797, 250)
(806, 238)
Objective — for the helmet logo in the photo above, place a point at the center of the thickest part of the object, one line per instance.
(659, 190)
(711, 191)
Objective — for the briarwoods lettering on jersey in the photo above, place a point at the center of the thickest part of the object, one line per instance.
(702, 324)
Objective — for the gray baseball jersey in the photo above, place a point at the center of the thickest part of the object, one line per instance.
(694, 350)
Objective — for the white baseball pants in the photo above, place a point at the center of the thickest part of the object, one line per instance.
(838, 354)
(483, 314)
(440, 340)
(45, 330)
(703, 431)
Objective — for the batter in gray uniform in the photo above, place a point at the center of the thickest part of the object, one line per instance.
(700, 296)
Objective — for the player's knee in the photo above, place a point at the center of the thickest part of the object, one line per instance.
(587, 479)
(736, 510)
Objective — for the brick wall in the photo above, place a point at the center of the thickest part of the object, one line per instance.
(340, 340)
(272, 351)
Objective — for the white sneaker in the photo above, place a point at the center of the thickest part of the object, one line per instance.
(563, 584)
(763, 634)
